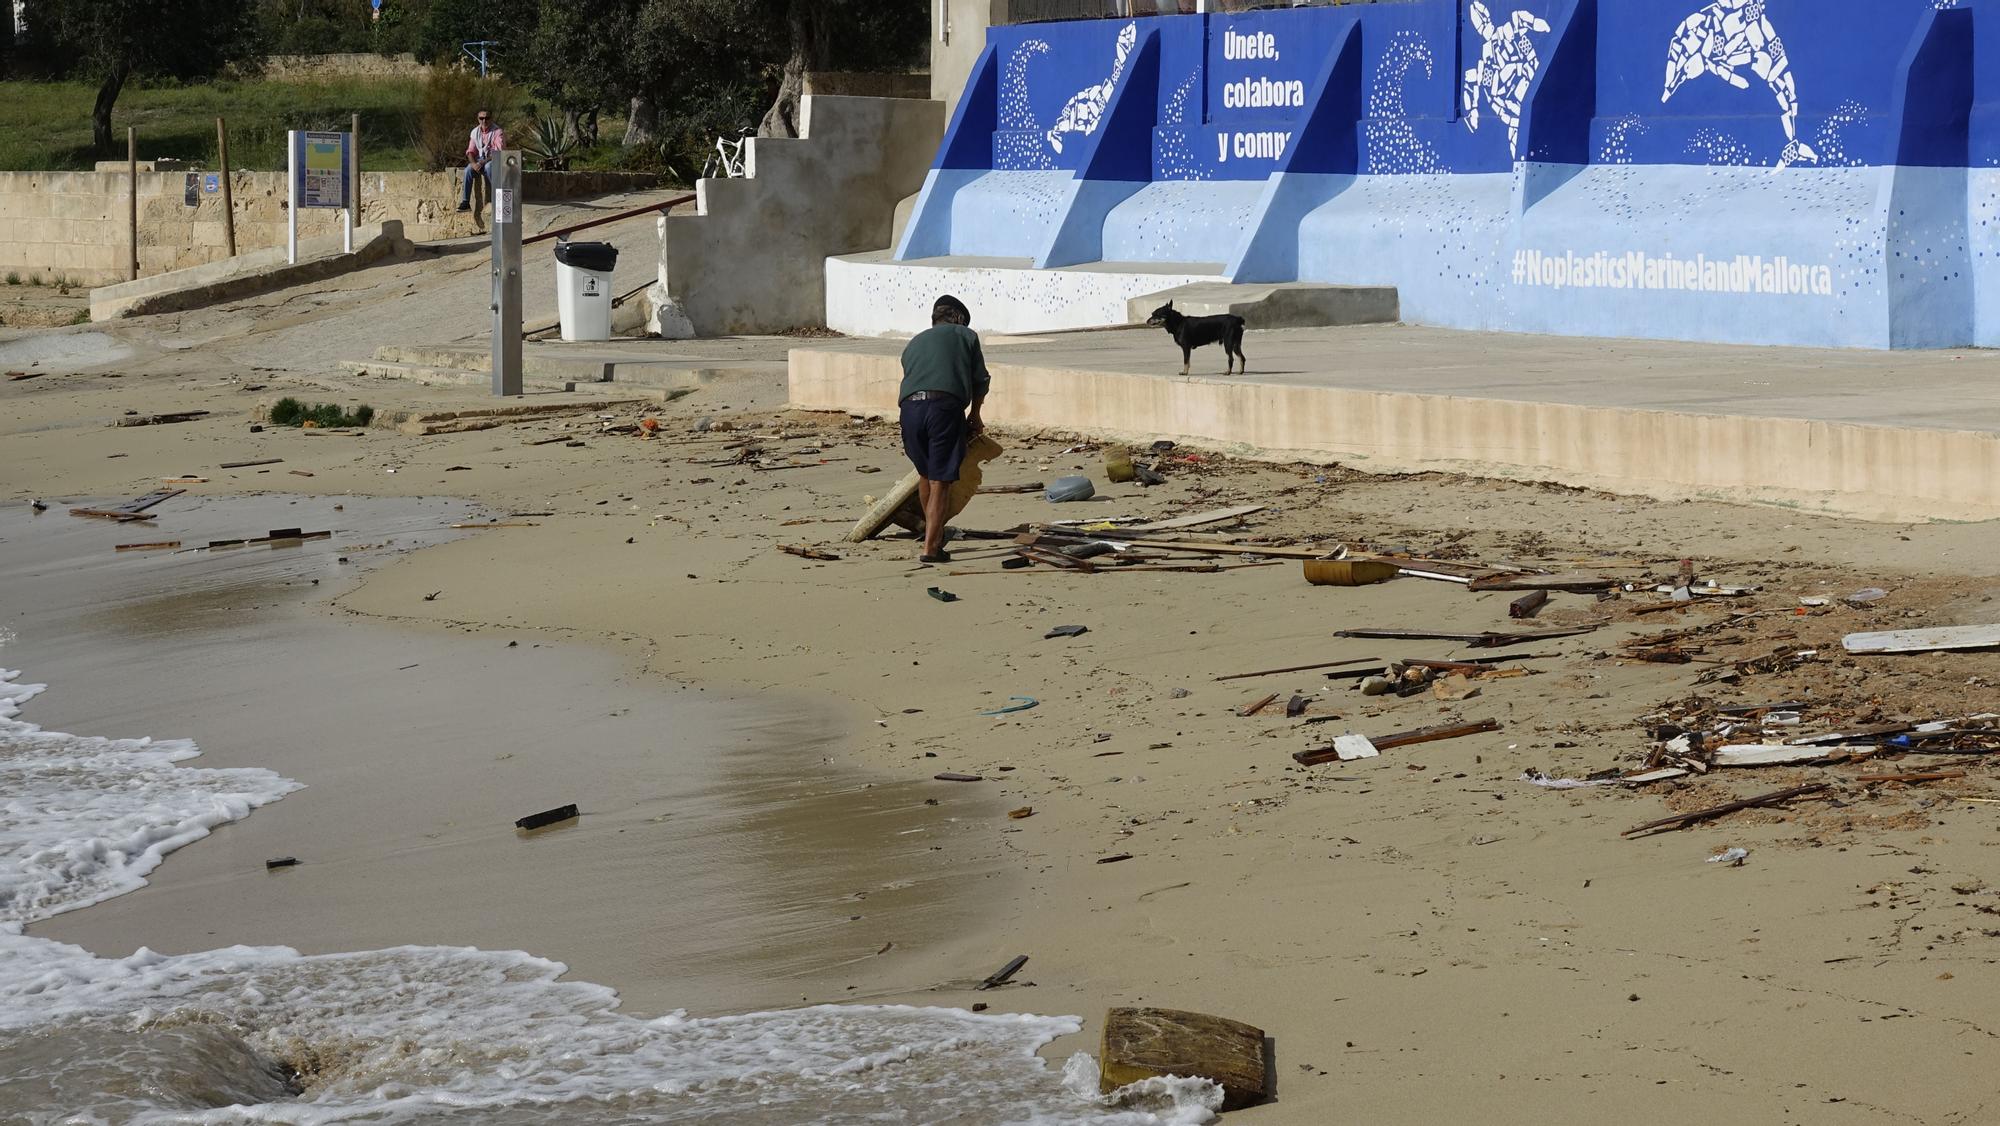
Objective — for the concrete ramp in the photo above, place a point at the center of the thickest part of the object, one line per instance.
(247, 275)
(1277, 305)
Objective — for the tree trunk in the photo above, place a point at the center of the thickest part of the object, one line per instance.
(806, 20)
(100, 114)
(641, 125)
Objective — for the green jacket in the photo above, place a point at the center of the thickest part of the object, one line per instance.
(945, 358)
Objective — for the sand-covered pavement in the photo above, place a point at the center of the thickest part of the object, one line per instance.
(1426, 936)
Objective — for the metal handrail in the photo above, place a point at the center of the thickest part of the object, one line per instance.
(565, 232)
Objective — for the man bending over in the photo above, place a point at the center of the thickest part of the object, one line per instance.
(944, 374)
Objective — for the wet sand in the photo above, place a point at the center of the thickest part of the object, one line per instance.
(720, 863)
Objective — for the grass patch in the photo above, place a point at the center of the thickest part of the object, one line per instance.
(46, 125)
(325, 416)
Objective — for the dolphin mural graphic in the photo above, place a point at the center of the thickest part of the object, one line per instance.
(1726, 36)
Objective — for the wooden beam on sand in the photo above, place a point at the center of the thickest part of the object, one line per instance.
(1301, 668)
(1683, 820)
(1401, 739)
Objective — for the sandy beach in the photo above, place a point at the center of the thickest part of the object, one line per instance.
(1425, 936)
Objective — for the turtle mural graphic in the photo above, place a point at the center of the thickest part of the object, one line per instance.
(1507, 65)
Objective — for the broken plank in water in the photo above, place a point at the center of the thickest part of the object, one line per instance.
(1682, 820)
(248, 464)
(119, 515)
(1923, 640)
(161, 545)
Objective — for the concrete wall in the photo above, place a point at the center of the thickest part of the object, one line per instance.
(1896, 473)
(73, 225)
(958, 36)
(1783, 172)
(753, 256)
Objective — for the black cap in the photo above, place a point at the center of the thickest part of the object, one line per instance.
(951, 304)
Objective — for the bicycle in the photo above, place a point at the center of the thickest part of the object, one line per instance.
(727, 161)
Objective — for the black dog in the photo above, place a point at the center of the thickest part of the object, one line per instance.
(1190, 333)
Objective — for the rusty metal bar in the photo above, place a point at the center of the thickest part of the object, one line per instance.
(565, 232)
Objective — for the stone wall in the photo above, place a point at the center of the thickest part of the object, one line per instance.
(72, 226)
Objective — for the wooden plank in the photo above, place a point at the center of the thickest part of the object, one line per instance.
(1931, 776)
(1584, 584)
(1488, 640)
(1199, 546)
(111, 514)
(150, 500)
(159, 546)
(1766, 754)
(1923, 640)
(1196, 520)
(1257, 706)
(1320, 755)
(1144, 1043)
(886, 511)
(1528, 605)
(1301, 668)
(1682, 820)
(248, 464)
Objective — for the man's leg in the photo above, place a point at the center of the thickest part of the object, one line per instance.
(465, 192)
(933, 494)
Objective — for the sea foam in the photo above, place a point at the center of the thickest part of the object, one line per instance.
(427, 1034)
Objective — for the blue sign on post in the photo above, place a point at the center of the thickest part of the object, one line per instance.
(211, 183)
(319, 161)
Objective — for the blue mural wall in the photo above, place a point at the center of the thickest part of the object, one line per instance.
(1778, 171)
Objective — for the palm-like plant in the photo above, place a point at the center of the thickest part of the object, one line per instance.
(552, 143)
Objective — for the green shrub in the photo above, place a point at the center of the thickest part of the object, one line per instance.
(447, 105)
(326, 416)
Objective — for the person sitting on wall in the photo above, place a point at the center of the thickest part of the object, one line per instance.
(485, 143)
(944, 372)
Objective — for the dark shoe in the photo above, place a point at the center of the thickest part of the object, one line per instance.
(465, 207)
(940, 557)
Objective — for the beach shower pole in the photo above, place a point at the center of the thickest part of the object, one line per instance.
(506, 231)
(132, 196)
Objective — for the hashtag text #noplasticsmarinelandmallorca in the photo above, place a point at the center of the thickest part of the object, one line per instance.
(1744, 273)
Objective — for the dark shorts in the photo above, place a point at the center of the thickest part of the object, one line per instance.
(934, 436)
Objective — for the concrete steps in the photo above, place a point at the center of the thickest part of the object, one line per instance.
(1277, 305)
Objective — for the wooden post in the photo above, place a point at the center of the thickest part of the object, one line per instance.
(132, 196)
(228, 195)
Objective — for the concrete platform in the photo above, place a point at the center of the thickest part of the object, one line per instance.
(874, 295)
(1882, 436)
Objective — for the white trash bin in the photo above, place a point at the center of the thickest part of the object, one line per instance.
(583, 289)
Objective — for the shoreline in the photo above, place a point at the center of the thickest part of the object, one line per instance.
(413, 864)
(1420, 933)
